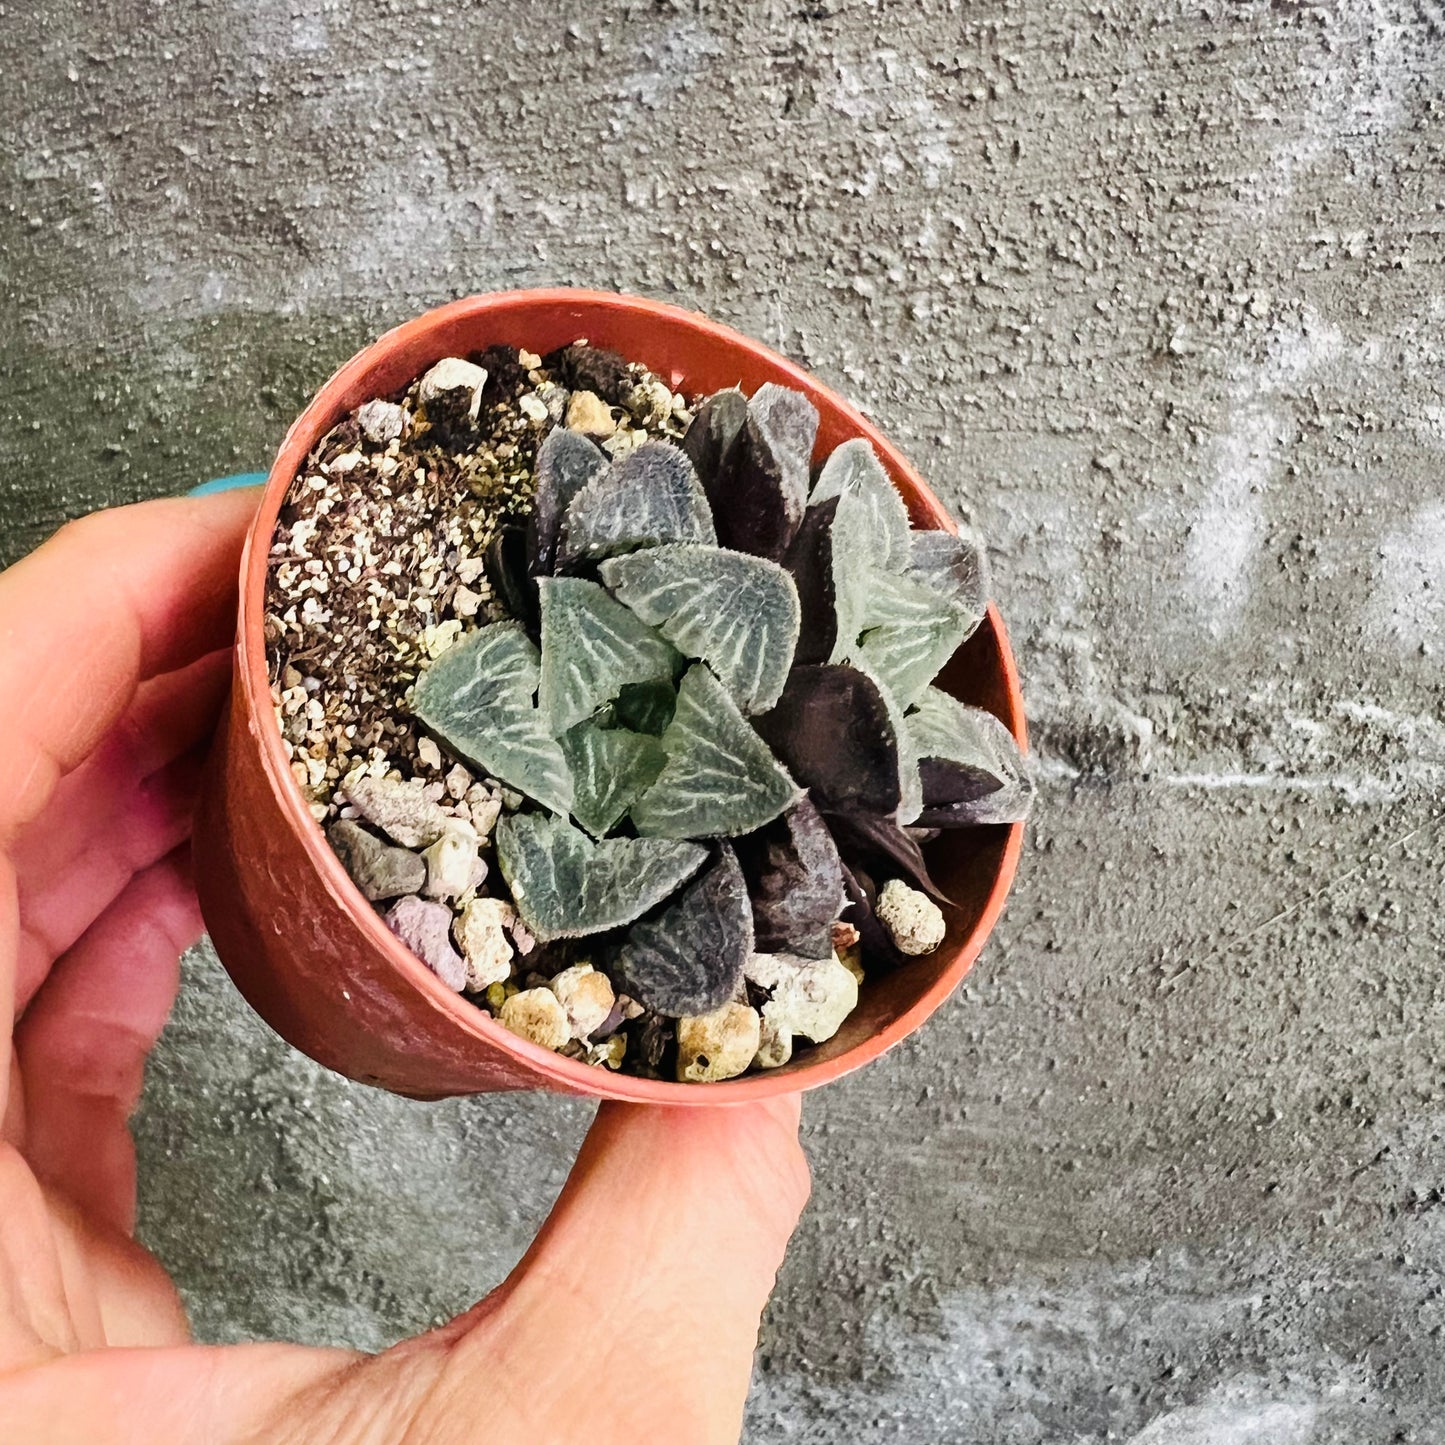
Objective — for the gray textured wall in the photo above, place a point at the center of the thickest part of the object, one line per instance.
(1152, 292)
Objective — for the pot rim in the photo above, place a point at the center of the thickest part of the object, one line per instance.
(572, 1075)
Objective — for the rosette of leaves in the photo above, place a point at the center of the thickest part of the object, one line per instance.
(716, 691)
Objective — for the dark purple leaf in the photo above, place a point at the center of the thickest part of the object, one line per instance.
(958, 796)
(832, 730)
(566, 462)
(795, 879)
(788, 422)
(878, 947)
(753, 459)
(511, 578)
(687, 958)
(869, 838)
(810, 559)
(972, 770)
(712, 441)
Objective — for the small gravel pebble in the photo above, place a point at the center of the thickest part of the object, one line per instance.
(400, 809)
(536, 1014)
(775, 1045)
(451, 862)
(426, 929)
(808, 997)
(480, 932)
(587, 997)
(719, 1045)
(376, 867)
(455, 384)
(382, 422)
(589, 414)
(912, 919)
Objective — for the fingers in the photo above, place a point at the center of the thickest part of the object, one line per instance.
(83, 1043)
(170, 715)
(112, 599)
(649, 1279)
(128, 805)
(188, 1395)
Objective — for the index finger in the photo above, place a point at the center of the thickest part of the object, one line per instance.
(110, 600)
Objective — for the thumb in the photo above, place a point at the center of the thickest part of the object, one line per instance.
(635, 1313)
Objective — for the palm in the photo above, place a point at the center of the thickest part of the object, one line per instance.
(113, 635)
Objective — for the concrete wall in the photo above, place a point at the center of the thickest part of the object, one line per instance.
(1152, 292)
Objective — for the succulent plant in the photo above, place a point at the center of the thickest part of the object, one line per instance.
(717, 690)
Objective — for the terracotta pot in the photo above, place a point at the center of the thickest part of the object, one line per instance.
(306, 949)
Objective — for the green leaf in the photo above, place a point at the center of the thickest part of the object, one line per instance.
(477, 696)
(902, 626)
(907, 656)
(591, 646)
(854, 474)
(651, 495)
(739, 614)
(720, 780)
(611, 769)
(854, 562)
(565, 885)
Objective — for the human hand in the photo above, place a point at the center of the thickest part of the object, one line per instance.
(632, 1317)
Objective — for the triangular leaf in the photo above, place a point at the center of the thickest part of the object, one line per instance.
(788, 422)
(973, 770)
(565, 885)
(795, 880)
(652, 495)
(869, 837)
(712, 441)
(854, 471)
(855, 559)
(591, 646)
(739, 614)
(754, 463)
(900, 598)
(477, 696)
(834, 730)
(910, 785)
(720, 779)
(809, 559)
(953, 565)
(689, 958)
(907, 656)
(611, 769)
(566, 462)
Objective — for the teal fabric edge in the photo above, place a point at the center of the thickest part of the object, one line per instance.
(227, 484)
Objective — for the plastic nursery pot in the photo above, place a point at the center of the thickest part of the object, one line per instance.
(309, 953)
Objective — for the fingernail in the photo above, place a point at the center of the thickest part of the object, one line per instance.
(226, 484)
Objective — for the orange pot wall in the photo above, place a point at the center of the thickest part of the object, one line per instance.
(311, 955)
